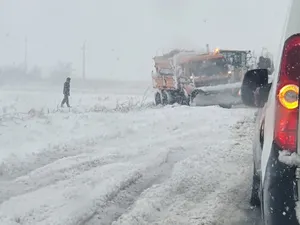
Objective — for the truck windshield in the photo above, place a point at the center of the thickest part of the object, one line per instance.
(209, 67)
(237, 59)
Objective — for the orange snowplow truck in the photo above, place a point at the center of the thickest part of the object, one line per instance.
(180, 76)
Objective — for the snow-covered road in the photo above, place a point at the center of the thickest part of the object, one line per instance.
(170, 165)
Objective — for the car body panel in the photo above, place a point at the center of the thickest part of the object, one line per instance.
(279, 187)
(290, 27)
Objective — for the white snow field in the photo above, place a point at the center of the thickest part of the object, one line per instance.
(131, 165)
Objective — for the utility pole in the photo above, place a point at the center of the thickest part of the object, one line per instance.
(83, 59)
(25, 54)
(207, 48)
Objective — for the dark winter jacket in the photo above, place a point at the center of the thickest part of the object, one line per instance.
(66, 88)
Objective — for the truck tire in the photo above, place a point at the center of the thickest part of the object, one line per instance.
(182, 98)
(164, 98)
(157, 98)
(167, 98)
(185, 101)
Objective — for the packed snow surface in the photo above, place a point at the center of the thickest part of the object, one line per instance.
(128, 164)
(292, 159)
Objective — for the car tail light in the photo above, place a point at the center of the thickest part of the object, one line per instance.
(287, 107)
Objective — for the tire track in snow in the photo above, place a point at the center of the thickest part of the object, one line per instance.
(223, 203)
(231, 199)
(238, 196)
(177, 153)
(52, 173)
(114, 203)
(60, 207)
(14, 167)
(125, 198)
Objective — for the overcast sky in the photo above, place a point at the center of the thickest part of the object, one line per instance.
(123, 35)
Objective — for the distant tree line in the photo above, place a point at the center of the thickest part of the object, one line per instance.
(18, 74)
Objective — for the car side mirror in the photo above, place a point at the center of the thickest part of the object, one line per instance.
(255, 88)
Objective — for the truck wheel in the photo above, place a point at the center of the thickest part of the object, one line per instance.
(164, 98)
(167, 98)
(183, 98)
(186, 101)
(157, 98)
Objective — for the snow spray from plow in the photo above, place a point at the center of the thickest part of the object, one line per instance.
(225, 95)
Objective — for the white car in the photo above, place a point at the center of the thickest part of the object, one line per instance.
(276, 148)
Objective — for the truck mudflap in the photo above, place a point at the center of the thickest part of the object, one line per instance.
(225, 95)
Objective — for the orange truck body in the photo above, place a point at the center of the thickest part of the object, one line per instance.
(170, 82)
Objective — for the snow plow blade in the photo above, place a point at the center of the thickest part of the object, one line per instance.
(223, 95)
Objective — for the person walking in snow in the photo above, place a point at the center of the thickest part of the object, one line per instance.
(66, 92)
